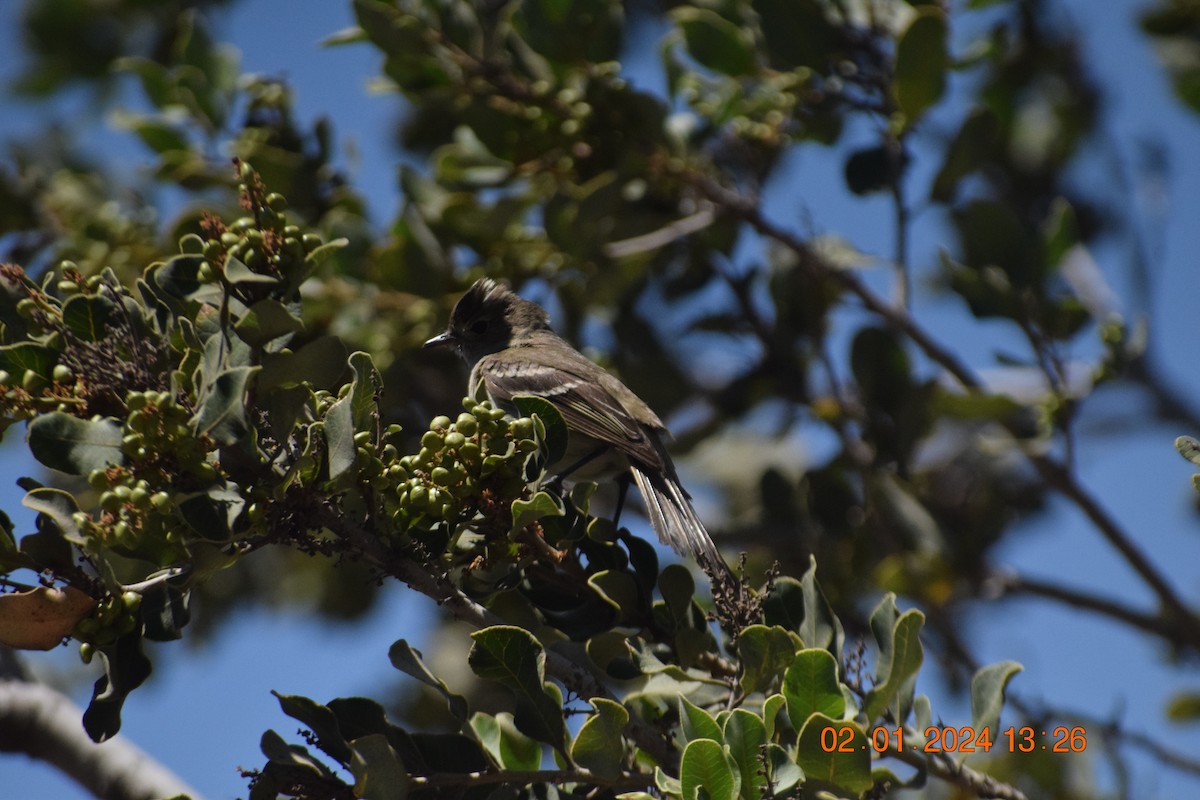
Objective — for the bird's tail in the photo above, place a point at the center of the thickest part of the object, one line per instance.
(676, 523)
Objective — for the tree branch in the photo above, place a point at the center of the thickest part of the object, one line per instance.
(1061, 479)
(466, 780)
(1056, 476)
(960, 775)
(574, 676)
(1011, 584)
(44, 724)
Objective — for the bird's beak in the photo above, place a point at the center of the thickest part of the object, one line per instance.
(441, 340)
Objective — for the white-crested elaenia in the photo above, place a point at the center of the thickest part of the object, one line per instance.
(509, 345)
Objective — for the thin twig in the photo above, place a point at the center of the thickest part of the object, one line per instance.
(1012, 584)
(625, 780)
(899, 319)
(1062, 480)
(663, 236)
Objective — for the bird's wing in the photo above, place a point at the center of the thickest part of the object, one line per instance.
(578, 393)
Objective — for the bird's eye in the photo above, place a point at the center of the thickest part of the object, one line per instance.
(479, 326)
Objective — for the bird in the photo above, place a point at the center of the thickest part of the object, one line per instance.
(510, 347)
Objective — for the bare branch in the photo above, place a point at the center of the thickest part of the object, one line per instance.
(44, 724)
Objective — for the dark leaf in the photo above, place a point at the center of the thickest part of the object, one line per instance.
(222, 414)
(74, 445)
(125, 668)
(88, 315)
(716, 42)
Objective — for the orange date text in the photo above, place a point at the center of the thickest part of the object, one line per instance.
(938, 739)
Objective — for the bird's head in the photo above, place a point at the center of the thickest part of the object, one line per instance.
(489, 318)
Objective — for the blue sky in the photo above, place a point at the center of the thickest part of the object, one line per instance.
(1072, 660)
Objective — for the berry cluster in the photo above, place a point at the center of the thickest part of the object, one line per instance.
(263, 242)
(481, 452)
(163, 455)
(112, 618)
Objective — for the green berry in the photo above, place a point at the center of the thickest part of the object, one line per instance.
(31, 381)
(469, 453)
(98, 479)
(455, 440)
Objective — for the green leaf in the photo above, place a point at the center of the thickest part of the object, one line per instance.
(987, 695)
(1189, 448)
(512, 657)
(882, 622)
(237, 273)
(60, 507)
(1184, 707)
(351, 414)
(898, 667)
(266, 321)
(706, 766)
(696, 723)
(1062, 232)
(360, 716)
(321, 363)
(765, 652)
(677, 587)
(921, 63)
(745, 737)
(770, 712)
(796, 33)
(378, 772)
(619, 589)
(810, 686)
(407, 659)
(542, 504)
(554, 442)
(8, 543)
(315, 259)
(468, 163)
(716, 42)
(292, 756)
(319, 720)
(600, 744)
(155, 131)
(164, 610)
(848, 767)
(510, 748)
(781, 770)
(222, 413)
(75, 446)
(88, 315)
(801, 606)
(15, 359)
(973, 146)
(212, 513)
(180, 276)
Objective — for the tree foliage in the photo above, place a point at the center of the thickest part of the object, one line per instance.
(243, 382)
